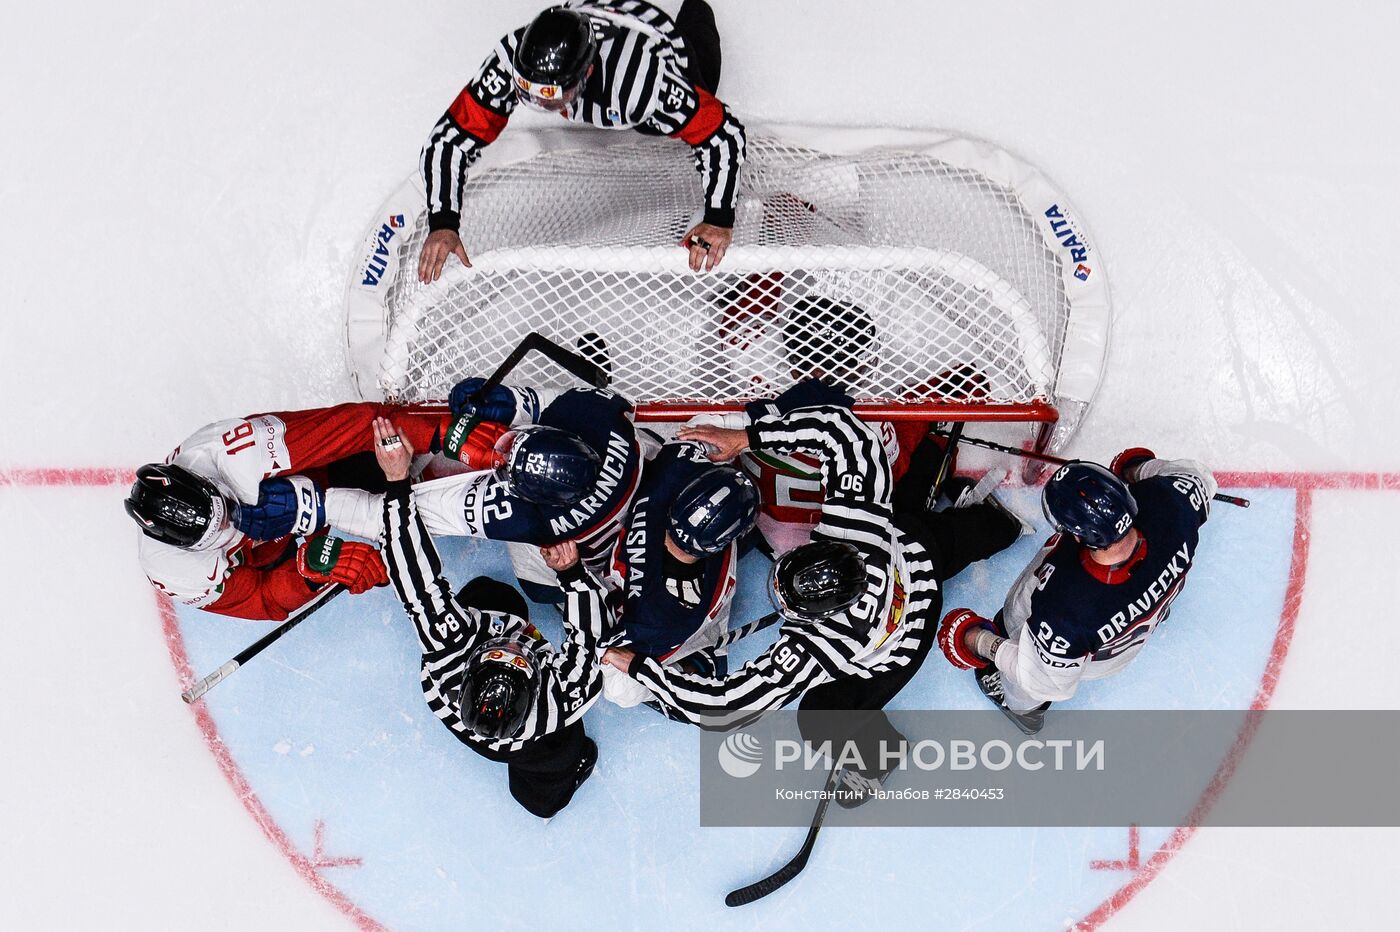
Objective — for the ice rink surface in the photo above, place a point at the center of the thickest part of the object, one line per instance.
(185, 189)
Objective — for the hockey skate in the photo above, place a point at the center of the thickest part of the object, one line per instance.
(989, 681)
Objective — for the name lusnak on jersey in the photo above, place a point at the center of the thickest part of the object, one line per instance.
(873, 634)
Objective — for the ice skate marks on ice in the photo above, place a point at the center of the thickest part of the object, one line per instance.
(408, 800)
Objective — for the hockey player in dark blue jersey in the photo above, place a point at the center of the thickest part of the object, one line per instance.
(1088, 602)
(676, 564)
(545, 466)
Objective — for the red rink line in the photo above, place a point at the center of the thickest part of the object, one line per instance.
(303, 865)
(1306, 483)
(82, 476)
(1292, 601)
(1311, 481)
(1228, 478)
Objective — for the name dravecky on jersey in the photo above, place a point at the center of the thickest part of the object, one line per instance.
(1158, 594)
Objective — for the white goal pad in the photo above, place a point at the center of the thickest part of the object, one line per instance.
(933, 276)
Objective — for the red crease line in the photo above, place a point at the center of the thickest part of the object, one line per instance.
(242, 789)
(1283, 639)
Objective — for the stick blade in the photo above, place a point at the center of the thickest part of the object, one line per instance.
(758, 890)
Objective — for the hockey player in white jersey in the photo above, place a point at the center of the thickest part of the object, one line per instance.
(828, 347)
(221, 517)
(1088, 602)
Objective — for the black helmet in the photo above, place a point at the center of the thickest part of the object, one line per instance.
(176, 506)
(818, 580)
(715, 508)
(826, 338)
(553, 58)
(498, 688)
(546, 465)
(1089, 503)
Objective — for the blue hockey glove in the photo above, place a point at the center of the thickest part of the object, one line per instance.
(285, 506)
(499, 405)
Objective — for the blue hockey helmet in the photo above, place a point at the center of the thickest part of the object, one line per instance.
(714, 509)
(546, 465)
(1089, 503)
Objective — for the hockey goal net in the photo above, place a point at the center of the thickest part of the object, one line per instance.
(932, 280)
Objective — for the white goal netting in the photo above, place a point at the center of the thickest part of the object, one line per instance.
(920, 283)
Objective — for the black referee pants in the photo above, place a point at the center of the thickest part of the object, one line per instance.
(542, 773)
(695, 22)
(954, 538)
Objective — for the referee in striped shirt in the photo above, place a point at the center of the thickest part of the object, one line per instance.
(487, 673)
(614, 64)
(859, 656)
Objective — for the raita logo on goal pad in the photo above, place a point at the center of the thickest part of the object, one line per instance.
(377, 262)
(1070, 239)
(740, 755)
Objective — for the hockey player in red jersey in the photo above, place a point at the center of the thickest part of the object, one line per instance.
(652, 67)
(221, 517)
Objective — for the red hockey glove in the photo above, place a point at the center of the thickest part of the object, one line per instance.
(472, 441)
(954, 626)
(1125, 464)
(356, 566)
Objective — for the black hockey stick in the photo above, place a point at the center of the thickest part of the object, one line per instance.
(1060, 461)
(744, 630)
(757, 891)
(569, 361)
(945, 463)
(261, 644)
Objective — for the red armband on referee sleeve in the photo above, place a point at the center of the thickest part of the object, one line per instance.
(705, 121)
(475, 118)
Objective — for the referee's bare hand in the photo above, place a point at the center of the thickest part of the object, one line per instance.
(392, 450)
(707, 244)
(560, 556)
(618, 657)
(436, 248)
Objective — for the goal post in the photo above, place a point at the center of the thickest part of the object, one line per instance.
(935, 277)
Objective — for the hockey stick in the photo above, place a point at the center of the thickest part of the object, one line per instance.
(569, 361)
(261, 644)
(1060, 461)
(757, 891)
(744, 630)
(945, 462)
